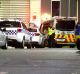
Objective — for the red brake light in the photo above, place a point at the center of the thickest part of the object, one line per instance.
(36, 34)
(18, 30)
(65, 40)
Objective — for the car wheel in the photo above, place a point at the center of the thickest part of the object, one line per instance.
(37, 45)
(72, 46)
(6, 45)
(32, 46)
(46, 42)
(58, 46)
(42, 45)
(29, 45)
(22, 44)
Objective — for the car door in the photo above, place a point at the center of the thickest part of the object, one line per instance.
(27, 33)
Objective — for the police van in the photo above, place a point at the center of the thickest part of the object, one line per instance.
(64, 30)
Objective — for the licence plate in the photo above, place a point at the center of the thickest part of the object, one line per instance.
(60, 39)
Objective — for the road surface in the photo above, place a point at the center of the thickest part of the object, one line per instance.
(40, 61)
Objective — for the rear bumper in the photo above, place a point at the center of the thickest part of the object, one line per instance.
(18, 37)
(64, 41)
(14, 39)
(35, 39)
(64, 44)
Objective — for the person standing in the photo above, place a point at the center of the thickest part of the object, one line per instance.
(51, 35)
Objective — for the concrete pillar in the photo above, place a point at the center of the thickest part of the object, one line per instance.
(73, 8)
(64, 7)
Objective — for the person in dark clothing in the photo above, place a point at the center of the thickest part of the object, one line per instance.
(51, 35)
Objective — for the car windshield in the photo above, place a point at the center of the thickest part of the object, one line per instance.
(65, 25)
(9, 24)
(32, 30)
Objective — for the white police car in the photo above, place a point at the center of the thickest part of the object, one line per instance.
(17, 33)
(37, 39)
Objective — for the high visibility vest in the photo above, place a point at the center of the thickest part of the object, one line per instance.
(50, 31)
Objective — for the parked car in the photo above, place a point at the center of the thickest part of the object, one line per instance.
(3, 39)
(37, 38)
(17, 33)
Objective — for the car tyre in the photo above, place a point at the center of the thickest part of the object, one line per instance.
(42, 45)
(6, 45)
(37, 45)
(58, 46)
(28, 45)
(22, 45)
(72, 46)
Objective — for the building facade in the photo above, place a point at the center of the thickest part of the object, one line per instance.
(29, 10)
(70, 8)
(15, 9)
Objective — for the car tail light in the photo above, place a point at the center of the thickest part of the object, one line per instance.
(65, 40)
(36, 34)
(19, 30)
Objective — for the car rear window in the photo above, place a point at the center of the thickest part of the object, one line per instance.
(65, 25)
(32, 30)
(10, 24)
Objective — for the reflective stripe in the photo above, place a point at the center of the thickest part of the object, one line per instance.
(60, 36)
(68, 38)
(72, 38)
(56, 36)
(50, 31)
(11, 32)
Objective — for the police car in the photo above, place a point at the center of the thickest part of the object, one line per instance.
(37, 38)
(17, 33)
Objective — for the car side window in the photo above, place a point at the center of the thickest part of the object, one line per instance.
(32, 25)
(24, 26)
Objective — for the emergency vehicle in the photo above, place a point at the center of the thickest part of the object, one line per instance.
(64, 30)
(16, 32)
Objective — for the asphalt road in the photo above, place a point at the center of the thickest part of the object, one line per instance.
(40, 61)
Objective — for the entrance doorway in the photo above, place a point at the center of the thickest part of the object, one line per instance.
(55, 8)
